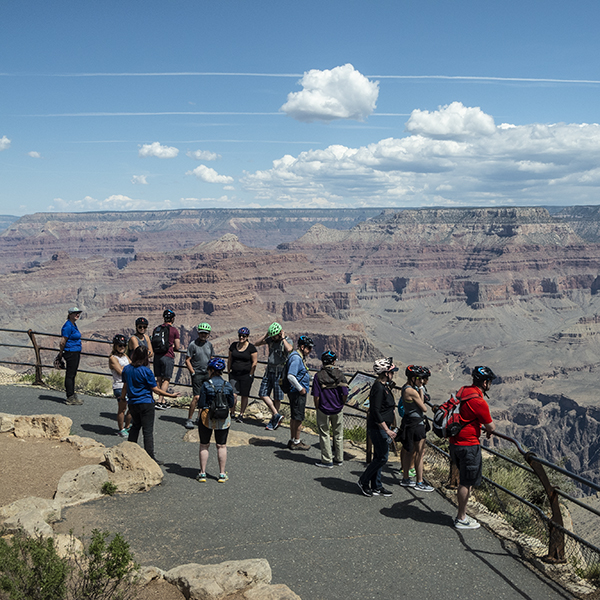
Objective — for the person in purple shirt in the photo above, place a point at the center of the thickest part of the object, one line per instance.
(70, 350)
(330, 392)
(138, 385)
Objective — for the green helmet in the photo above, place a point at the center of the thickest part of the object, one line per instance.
(274, 329)
(204, 327)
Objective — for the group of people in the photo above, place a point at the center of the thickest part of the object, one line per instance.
(286, 372)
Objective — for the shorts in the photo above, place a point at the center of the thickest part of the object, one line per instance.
(297, 405)
(270, 383)
(241, 384)
(206, 434)
(411, 433)
(163, 366)
(468, 461)
(117, 393)
(198, 379)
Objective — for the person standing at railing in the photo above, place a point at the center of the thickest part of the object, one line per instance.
(199, 353)
(70, 351)
(465, 448)
(117, 361)
(241, 364)
(165, 342)
(140, 337)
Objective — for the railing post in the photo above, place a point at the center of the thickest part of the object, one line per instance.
(38, 358)
(556, 544)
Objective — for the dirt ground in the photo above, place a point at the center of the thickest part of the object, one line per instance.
(33, 468)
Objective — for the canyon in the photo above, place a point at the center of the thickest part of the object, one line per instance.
(514, 288)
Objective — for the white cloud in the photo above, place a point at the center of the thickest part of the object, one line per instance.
(455, 156)
(203, 155)
(4, 143)
(451, 122)
(34, 154)
(209, 175)
(115, 202)
(339, 93)
(141, 179)
(156, 149)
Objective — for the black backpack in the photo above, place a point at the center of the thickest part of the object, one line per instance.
(284, 382)
(160, 339)
(218, 408)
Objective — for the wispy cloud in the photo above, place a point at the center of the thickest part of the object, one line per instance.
(202, 155)
(4, 143)
(139, 179)
(151, 114)
(209, 175)
(34, 154)
(158, 150)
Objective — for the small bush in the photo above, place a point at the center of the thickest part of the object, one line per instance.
(55, 379)
(27, 378)
(109, 488)
(356, 434)
(87, 383)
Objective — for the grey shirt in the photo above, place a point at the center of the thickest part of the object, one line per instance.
(199, 354)
(277, 354)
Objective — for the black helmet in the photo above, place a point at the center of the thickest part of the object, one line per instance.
(329, 357)
(168, 315)
(306, 341)
(119, 340)
(141, 321)
(426, 373)
(414, 371)
(483, 374)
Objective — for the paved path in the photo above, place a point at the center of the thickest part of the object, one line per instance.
(320, 535)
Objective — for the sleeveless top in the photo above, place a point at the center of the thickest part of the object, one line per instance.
(117, 382)
(412, 411)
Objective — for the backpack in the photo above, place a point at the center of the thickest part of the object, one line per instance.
(284, 382)
(160, 339)
(219, 407)
(446, 420)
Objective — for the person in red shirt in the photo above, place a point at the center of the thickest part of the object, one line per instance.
(465, 449)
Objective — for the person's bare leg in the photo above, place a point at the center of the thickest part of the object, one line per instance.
(121, 414)
(192, 408)
(462, 495)
(244, 405)
(418, 459)
(222, 457)
(203, 457)
(270, 404)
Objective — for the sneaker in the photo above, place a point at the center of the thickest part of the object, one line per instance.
(159, 406)
(277, 419)
(466, 523)
(382, 492)
(201, 477)
(366, 491)
(189, 424)
(338, 463)
(123, 433)
(412, 472)
(423, 487)
(408, 483)
(239, 419)
(166, 405)
(269, 426)
(222, 478)
(74, 400)
(324, 465)
(297, 446)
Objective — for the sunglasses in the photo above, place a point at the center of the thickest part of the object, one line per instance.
(142, 326)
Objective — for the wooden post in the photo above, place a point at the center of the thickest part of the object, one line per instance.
(38, 358)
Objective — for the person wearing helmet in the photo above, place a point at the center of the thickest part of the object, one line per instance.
(413, 430)
(299, 378)
(465, 448)
(199, 353)
(279, 347)
(379, 422)
(117, 361)
(330, 393)
(165, 342)
(215, 387)
(140, 337)
(70, 351)
(241, 364)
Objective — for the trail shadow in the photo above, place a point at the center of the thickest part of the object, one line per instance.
(109, 416)
(58, 399)
(266, 442)
(422, 514)
(298, 456)
(181, 471)
(339, 485)
(98, 429)
(172, 419)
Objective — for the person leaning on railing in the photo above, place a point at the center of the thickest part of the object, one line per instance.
(70, 351)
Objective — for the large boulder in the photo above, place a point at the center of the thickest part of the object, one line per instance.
(212, 582)
(7, 422)
(54, 427)
(81, 485)
(131, 469)
(31, 514)
(270, 592)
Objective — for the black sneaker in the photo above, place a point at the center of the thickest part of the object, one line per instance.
(366, 491)
(382, 492)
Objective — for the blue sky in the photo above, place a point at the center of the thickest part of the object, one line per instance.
(109, 105)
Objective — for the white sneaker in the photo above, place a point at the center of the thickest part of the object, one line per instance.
(466, 523)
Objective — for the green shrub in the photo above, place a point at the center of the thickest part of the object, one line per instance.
(55, 379)
(87, 383)
(109, 488)
(27, 378)
(355, 434)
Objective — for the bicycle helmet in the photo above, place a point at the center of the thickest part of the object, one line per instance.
(413, 371)
(426, 373)
(328, 358)
(243, 331)
(384, 365)
(119, 340)
(168, 315)
(75, 310)
(483, 374)
(204, 327)
(141, 321)
(274, 329)
(306, 341)
(216, 363)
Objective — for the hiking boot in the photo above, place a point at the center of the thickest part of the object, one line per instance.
(277, 419)
(201, 477)
(382, 492)
(408, 483)
(222, 478)
(466, 523)
(189, 424)
(366, 491)
(324, 465)
(421, 486)
(298, 446)
(74, 400)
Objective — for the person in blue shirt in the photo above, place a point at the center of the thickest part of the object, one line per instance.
(138, 385)
(206, 424)
(70, 351)
(299, 379)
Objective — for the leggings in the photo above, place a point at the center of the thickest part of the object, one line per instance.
(72, 360)
(142, 417)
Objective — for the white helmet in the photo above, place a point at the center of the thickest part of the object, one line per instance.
(384, 365)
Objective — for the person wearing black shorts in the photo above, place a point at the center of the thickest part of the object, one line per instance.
(241, 364)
